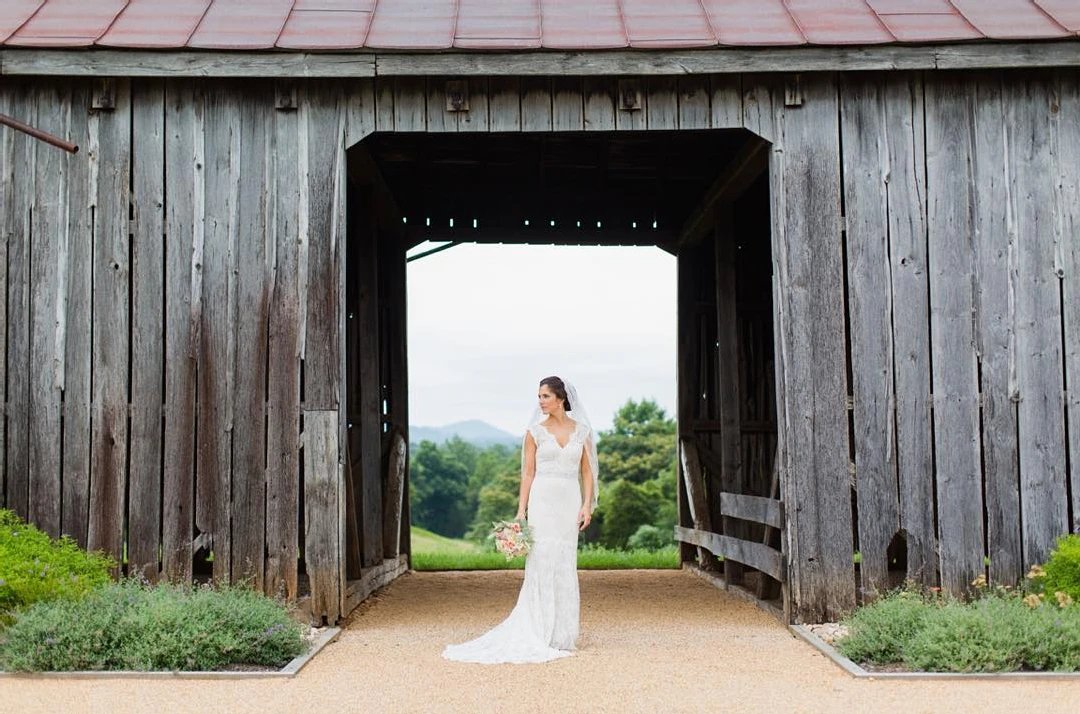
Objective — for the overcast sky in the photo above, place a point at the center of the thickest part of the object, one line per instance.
(487, 322)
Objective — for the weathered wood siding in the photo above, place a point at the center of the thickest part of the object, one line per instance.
(173, 310)
(162, 409)
(958, 242)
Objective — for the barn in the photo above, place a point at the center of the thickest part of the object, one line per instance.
(874, 204)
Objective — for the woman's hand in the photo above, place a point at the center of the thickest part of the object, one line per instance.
(520, 515)
(584, 517)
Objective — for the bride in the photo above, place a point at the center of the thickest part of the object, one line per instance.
(558, 491)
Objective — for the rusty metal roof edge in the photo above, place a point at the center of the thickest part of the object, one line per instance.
(1063, 52)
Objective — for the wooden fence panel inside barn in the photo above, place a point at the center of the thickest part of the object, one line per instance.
(199, 304)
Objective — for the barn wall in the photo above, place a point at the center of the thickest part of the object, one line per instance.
(169, 289)
(925, 259)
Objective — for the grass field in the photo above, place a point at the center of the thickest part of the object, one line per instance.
(431, 551)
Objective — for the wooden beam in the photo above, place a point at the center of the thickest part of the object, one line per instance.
(322, 548)
(715, 60)
(373, 578)
(751, 161)
(393, 498)
(752, 508)
(728, 397)
(695, 485)
(729, 60)
(364, 172)
(183, 63)
(543, 235)
(756, 555)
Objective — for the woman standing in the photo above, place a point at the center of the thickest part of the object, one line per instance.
(558, 494)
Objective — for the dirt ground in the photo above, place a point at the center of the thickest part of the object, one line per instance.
(652, 641)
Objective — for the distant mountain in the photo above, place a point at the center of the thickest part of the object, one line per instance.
(474, 431)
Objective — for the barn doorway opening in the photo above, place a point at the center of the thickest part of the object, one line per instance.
(702, 196)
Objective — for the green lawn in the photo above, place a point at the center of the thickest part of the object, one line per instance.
(431, 551)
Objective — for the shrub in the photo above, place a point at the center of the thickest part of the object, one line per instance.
(648, 537)
(983, 636)
(132, 626)
(1063, 568)
(1001, 630)
(35, 568)
(879, 633)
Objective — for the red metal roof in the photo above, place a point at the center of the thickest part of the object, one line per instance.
(523, 24)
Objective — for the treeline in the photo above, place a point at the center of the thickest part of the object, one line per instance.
(457, 489)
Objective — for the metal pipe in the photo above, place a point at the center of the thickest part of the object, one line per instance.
(39, 134)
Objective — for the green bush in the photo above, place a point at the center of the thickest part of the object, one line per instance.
(1000, 631)
(35, 568)
(649, 537)
(998, 634)
(133, 626)
(879, 633)
(1063, 568)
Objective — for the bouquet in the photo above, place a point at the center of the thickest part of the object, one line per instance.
(511, 538)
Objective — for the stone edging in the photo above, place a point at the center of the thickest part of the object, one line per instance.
(287, 672)
(858, 672)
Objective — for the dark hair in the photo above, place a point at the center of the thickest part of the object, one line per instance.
(559, 388)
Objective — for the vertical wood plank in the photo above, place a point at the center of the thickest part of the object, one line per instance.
(395, 493)
(813, 351)
(951, 257)
(1031, 108)
(439, 120)
(726, 101)
(410, 104)
(178, 507)
(762, 100)
(685, 402)
(568, 105)
(326, 221)
(384, 104)
(19, 239)
(110, 134)
(866, 200)
(397, 273)
(323, 527)
(253, 284)
(536, 110)
(662, 105)
(78, 346)
(728, 394)
(366, 274)
(905, 119)
(1068, 207)
(627, 119)
(694, 109)
(7, 189)
(46, 348)
(221, 137)
(995, 270)
(476, 119)
(147, 333)
(599, 94)
(283, 408)
(322, 549)
(359, 111)
(504, 104)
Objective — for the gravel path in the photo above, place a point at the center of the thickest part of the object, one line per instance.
(652, 641)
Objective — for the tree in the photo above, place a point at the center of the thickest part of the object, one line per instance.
(439, 487)
(640, 446)
(625, 506)
(498, 473)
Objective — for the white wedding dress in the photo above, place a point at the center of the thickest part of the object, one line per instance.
(544, 624)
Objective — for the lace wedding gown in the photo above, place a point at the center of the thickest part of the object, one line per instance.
(544, 623)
